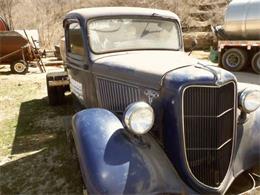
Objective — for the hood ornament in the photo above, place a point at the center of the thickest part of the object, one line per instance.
(151, 95)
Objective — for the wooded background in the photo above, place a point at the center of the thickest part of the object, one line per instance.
(47, 15)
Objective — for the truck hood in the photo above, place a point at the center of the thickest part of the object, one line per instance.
(145, 68)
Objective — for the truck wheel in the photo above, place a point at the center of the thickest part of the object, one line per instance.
(56, 95)
(19, 67)
(52, 96)
(71, 144)
(75, 158)
(234, 59)
(256, 63)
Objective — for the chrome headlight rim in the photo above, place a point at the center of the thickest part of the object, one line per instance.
(243, 98)
(131, 110)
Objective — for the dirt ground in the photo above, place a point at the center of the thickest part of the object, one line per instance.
(34, 155)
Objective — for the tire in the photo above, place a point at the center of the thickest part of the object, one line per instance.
(75, 158)
(234, 59)
(52, 96)
(56, 95)
(255, 63)
(71, 144)
(19, 67)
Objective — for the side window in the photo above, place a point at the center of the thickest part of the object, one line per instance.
(75, 43)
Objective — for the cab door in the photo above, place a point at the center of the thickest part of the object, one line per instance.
(81, 79)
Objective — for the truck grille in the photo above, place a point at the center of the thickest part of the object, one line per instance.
(208, 130)
(116, 96)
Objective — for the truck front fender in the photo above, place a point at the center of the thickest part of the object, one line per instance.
(113, 161)
(248, 143)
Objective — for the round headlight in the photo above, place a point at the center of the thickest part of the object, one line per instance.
(139, 117)
(249, 100)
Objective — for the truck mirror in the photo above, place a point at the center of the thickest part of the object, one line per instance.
(193, 45)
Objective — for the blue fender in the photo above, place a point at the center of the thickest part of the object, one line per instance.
(248, 143)
(113, 161)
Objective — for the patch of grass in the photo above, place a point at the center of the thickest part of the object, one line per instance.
(34, 154)
(7, 136)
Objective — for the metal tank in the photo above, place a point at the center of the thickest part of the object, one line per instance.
(242, 20)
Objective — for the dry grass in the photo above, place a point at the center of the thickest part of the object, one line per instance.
(34, 155)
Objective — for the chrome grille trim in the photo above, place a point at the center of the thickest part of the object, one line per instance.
(233, 109)
(115, 95)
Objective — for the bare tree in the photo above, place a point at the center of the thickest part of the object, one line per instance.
(47, 15)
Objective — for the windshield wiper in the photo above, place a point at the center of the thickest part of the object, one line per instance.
(146, 32)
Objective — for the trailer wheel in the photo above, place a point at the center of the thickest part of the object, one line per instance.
(52, 96)
(256, 62)
(56, 95)
(19, 67)
(234, 59)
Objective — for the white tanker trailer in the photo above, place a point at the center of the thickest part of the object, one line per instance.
(239, 37)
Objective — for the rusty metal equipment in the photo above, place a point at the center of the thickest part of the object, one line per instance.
(17, 51)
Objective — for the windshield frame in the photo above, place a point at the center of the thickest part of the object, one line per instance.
(177, 23)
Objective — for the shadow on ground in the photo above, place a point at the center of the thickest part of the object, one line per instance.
(5, 71)
(41, 161)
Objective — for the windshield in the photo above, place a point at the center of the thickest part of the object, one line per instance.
(107, 35)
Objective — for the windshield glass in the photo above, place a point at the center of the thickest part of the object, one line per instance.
(107, 35)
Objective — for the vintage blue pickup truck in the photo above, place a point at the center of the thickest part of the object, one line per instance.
(154, 120)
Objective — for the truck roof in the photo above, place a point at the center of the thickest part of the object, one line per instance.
(88, 13)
